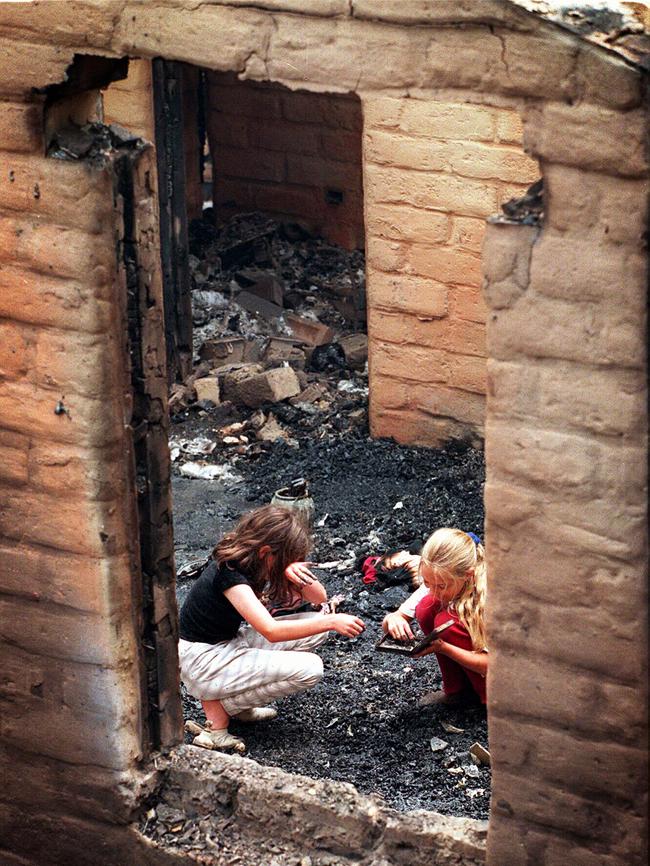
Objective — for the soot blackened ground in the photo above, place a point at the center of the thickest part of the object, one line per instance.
(361, 724)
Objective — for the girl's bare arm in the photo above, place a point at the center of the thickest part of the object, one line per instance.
(315, 593)
(245, 602)
(310, 589)
(473, 661)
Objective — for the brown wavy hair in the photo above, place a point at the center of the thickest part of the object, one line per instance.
(273, 526)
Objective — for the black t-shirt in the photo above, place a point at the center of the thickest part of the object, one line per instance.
(207, 616)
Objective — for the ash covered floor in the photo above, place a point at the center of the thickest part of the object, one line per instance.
(255, 282)
(361, 724)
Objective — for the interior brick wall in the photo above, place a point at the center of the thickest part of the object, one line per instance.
(129, 102)
(280, 151)
(434, 171)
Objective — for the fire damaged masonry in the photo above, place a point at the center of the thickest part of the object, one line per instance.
(129, 159)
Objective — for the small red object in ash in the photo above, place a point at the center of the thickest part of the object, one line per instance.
(369, 569)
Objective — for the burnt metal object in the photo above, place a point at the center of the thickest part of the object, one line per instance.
(389, 644)
(168, 117)
(527, 210)
(296, 497)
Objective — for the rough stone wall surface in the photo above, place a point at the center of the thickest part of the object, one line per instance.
(434, 170)
(265, 815)
(281, 151)
(70, 695)
(566, 499)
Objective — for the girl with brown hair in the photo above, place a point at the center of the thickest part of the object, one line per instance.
(234, 656)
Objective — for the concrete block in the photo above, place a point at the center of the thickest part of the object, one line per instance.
(440, 192)
(402, 223)
(595, 205)
(430, 118)
(589, 136)
(21, 126)
(411, 294)
(64, 193)
(466, 302)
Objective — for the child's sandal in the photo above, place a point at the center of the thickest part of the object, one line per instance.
(220, 741)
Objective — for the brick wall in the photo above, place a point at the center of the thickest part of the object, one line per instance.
(70, 684)
(433, 172)
(73, 699)
(280, 151)
(566, 499)
(566, 430)
(129, 102)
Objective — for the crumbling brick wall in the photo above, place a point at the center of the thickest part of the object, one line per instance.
(566, 499)
(71, 723)
(566, 429)
(290, 153)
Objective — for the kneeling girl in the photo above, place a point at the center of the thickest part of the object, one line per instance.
(452, 568)
(234, 656)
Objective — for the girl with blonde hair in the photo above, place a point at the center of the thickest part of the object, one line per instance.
(454, 578)
(234, 656)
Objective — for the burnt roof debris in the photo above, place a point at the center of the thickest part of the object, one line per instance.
(92, 142)
(619, 26)
(527, 210)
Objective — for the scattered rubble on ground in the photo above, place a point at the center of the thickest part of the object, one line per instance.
(279, 321)
(293, 404)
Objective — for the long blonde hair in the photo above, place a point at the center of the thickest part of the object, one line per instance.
(454, 554)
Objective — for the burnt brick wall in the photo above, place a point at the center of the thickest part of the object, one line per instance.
(566, 499)
(280, 151)
(566, 427)
(71, 732)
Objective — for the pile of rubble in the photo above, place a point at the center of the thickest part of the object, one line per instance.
(279, 334)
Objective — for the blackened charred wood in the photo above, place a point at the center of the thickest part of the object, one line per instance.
(168, 117)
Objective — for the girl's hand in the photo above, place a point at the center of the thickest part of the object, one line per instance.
(397, 626)
(299, 573)
(437, 646)
(348, 626)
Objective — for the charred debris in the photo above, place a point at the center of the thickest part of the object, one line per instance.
(280, 344)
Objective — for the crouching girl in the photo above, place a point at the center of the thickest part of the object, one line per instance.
(453, 572)
(234, 656)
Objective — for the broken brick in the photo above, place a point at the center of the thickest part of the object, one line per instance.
(355, 347)
(207, 389)
(271, 386)
(312, 332)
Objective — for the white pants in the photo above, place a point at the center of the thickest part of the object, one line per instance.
(250, 671)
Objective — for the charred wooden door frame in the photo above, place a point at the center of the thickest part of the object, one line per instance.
(156, 615)
(168, 116)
